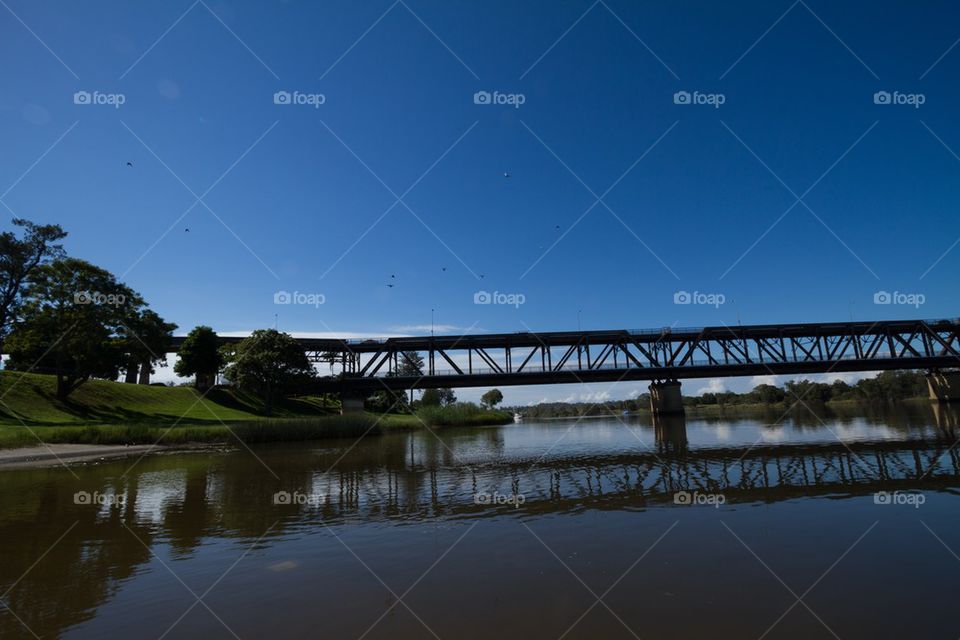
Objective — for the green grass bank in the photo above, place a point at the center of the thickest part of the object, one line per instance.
(104, 412)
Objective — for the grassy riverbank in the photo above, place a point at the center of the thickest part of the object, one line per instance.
(103, 412)
(781, 408)
(258, 431)
(30, 398)
(463, 414)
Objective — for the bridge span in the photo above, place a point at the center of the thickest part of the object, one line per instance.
(661, 356)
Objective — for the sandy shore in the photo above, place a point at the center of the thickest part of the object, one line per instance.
(60, 454)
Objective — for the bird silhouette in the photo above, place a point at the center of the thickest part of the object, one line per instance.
(129, 164)
(390, 285)
(187, 230)
(444, 268)
(506, 175)
(392, 276)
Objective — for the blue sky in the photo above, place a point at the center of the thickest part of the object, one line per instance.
(304, 197)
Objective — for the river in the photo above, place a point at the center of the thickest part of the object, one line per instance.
(802, 527)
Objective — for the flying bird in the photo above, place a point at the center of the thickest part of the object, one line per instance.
(390, 285)
(444, 268)
(506, 175)
(187, 230)
(129, 164)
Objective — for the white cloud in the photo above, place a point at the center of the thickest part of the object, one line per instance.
(437, 329)
(714, 385)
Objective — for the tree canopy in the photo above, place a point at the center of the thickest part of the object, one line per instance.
(145, 339)
(70, 319)
(270, 364)
(200, 356)
(491, 398)
(18, 258)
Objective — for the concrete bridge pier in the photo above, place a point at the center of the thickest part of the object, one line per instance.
(944, 386)
(670, 432)
(665, 397)
(351, 402)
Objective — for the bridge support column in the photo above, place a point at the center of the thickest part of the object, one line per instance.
(670, 432)
(944, 386)
(665, 397)
(351, 402)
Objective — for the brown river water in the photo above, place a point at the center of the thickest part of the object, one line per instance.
(803, 527)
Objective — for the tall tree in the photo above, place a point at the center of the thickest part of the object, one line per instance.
(199, 356)
(446, 396)
(146, 339)
(70, 319)
(430, 398)
(271, 364)
(491, 398)
(410, 363)
(18, 258)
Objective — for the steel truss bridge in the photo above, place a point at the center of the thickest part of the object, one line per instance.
(649, 354)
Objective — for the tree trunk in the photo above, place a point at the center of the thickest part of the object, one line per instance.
(203, 382)
(145, 372)
(269, 407)
(63, 387)
(131, 377)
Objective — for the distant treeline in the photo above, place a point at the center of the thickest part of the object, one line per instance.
(887, 386)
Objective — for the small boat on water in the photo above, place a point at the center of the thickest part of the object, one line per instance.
(517, 417)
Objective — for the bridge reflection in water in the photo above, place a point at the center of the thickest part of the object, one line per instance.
(763, 472)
